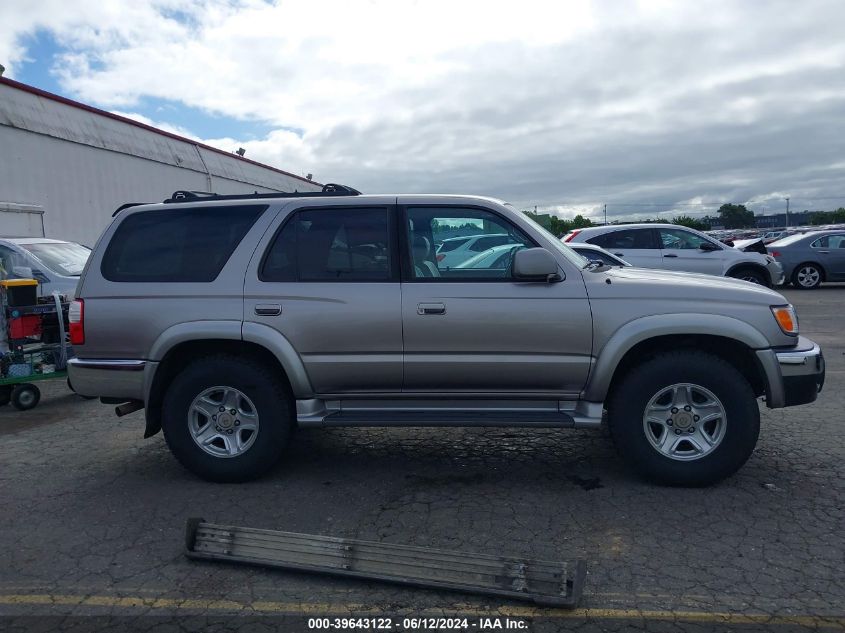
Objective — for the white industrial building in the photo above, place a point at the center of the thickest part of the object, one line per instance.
(65, 166)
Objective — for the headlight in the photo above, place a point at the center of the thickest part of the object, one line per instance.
(786, 318)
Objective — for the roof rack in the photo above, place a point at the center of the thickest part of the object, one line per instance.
(126, 206)
(330, 189)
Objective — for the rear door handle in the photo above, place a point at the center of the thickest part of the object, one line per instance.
(268, 309)
(431, 308)
(670, 255)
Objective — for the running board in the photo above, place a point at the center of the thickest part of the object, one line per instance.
(547, 583)
(318, 412)
(449, 418)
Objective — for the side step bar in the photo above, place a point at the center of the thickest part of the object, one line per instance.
(546, 583)
(539, 419)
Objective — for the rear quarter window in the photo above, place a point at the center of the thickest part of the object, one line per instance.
(177, 245)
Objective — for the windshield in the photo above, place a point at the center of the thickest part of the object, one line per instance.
(567, 252)
(64, 258)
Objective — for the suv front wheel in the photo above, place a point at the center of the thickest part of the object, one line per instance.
(227, 418)
(684, 418)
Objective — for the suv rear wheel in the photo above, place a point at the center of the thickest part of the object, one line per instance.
(684, 418)
(227, 418)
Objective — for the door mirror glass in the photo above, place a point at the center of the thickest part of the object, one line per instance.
(535, 264)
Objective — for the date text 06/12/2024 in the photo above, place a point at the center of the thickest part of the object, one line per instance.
(419, 623)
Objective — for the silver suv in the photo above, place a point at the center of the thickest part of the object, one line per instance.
(232, 320)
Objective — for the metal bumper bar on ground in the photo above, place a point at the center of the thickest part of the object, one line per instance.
(548, 583)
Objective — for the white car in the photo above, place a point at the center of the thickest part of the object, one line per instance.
(597, 253)
(56, 264)
(498, 257)
(673, 247)
(456, 250)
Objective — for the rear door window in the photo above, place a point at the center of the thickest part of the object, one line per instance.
(628, 239)
(349, 244)
(177, 245)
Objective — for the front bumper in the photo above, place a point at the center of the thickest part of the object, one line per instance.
(794, 375)
(108, 378)
(776, 273)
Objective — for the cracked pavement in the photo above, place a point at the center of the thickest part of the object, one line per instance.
(93, 517)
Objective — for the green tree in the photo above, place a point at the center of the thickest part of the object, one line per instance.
(685, 220)
(559, 226)
(828, 217)
(736, 216)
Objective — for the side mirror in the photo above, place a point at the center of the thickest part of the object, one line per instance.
(707, 246)
(535, 264)
(41, 277)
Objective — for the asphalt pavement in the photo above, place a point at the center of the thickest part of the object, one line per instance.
(92, 519)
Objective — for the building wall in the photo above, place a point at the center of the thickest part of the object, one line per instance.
(80, 165)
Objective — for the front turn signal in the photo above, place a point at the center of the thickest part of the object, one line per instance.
(786, 318)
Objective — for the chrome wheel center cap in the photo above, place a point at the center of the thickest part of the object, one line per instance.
(683, 420)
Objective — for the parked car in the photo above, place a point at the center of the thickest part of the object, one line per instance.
(597, 253)
(808, 259)
(772, 236)
(233, 319)
(56, 264)
(456, 250)
(498, 257)
(673, 247)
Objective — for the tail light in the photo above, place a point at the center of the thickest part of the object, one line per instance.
(774, 253)
(441, 257)
(568, 237)
(76, 320)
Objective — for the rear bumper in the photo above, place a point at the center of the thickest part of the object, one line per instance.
(108, 378)
(795, 375)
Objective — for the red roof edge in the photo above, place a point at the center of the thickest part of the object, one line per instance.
(81, 106)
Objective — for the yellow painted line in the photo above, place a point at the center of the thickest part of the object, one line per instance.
(836, 622)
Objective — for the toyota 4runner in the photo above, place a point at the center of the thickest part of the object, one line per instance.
(234, 319)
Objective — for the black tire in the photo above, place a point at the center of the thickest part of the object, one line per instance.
(628, 402)
(799, 276)
(5, 395)
(25, 397)
(752, 275)
(273, 404)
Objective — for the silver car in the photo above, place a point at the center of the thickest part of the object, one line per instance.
(674, 247)
(810, 258)
(231, 320)
(56, 264)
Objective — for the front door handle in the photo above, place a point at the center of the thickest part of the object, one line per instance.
(431, 308)
(825, 252)
(268, 309)
(670, 255)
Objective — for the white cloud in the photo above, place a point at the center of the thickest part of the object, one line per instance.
(563, 105)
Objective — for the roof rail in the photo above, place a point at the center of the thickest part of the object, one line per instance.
(330, 189)
(126, 206)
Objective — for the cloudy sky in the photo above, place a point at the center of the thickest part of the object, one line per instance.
(650, 106)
